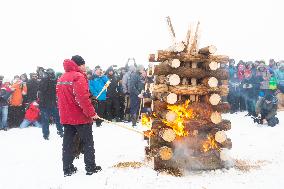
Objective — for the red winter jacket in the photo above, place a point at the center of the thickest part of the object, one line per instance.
(73, 96)
(32, 113)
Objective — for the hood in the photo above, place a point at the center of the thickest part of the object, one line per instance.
(70, 65)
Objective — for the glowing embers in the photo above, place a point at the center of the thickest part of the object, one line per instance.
(210, 143)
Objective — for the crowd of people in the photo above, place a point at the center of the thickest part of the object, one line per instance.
(32, 101)
(257, 88)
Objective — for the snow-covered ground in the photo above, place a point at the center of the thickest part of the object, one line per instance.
(29, 162)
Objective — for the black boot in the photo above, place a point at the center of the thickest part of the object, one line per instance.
(69, 171)
(93, 170)
(134, 120)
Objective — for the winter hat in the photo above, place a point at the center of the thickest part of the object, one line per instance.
(78, 60)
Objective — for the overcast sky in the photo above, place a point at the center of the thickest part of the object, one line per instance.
(44, 33)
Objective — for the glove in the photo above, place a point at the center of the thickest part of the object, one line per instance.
(94, 100)
(140, 96)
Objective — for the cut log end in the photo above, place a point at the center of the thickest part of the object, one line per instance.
(213, 65)
(165, 153)
(220, 136)
(172, 98)
(215, 99)
(171, 116)
(168, 134)
(173, 79)
(175, 63)
(208, 50)
(216, 117)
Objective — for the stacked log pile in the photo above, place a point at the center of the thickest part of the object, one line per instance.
(187, 129)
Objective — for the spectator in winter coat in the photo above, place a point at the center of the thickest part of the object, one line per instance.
(16, 108)
(136, 88)
(5, 93)
(32, 87)
(250, 90)
(279, 74)
(48, 104)
(76, 114)
(267, 108)
(234, 88)
(125, 88)
(96, 86)
(112, 101)
(31, 116)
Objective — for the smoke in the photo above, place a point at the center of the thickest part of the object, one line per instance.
(184, 156)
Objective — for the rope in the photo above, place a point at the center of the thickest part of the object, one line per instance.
(122, 126)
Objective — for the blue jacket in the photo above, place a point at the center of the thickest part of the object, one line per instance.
(279, 77)
(96, 85)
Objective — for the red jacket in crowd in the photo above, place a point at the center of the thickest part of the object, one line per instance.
(73, 96)
(32, 113)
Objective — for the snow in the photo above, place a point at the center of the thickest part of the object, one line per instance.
(29, 162)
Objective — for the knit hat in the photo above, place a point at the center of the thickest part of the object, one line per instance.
(78, 60)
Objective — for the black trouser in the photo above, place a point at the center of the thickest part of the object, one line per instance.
(86, 135)
(112, 108)
(121, 106)
(100, 108)
(16, 115)
(271, 121)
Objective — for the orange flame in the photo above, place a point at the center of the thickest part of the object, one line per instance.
(146, 121)
(210, 143)
(183, 113)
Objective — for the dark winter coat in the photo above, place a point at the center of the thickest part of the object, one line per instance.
(136, 84)
(270, 109)
(5, 93)
(47, 93)
(250, 87)
(112, 90)
(32, 90)
(74, 104)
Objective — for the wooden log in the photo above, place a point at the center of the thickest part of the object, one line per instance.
(215, 99)
(192, 90)
(216, 117)
(210, 65)
(167, 134)
(171, 79)
(224, 90)
(220, 136)
(185, 57)
(227, 144)
(161, 88)
(203, 125)
(170, 116)
(170, 98)
(193, 81)
(222, 107)
(210, 82)
(175, 63)
(208, 50)
(198, 73)
(165, 153)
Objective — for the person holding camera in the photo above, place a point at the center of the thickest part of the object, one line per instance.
(76, 114)
(48, 103)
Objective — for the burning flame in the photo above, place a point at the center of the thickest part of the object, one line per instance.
(210, 143)
(183, 113)
(146, 121)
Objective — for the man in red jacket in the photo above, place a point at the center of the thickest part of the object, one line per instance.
(76, 114)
